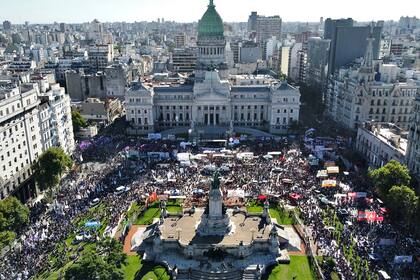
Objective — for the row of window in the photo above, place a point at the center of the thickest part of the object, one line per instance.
(394, 102)
(211, 51)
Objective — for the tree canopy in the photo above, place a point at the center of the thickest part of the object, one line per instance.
(391, 174)
(78, 121)
(104, 263)
(50, 166)
(13, 215)
(403, 203)
(93, 267)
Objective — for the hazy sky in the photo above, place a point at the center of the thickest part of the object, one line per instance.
(75, 11)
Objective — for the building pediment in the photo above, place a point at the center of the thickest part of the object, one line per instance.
(211, 94)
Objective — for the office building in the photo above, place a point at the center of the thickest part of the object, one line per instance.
(331, 24)
(100, 56)
(268, 27)
(349, 43)
(317, 62)
(184, 60)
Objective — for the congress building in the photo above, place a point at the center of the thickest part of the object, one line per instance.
(211, 98)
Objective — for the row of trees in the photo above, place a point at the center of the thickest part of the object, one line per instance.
(393, 184)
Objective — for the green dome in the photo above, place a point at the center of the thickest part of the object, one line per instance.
(211, 24)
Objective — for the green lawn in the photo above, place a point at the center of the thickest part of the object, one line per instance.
(174, 209)
(254, 209)
(281, 216)
(137, 270)
(133, 266)
(298, 268)
(148, 216)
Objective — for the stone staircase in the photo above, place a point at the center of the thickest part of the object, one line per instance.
(249, 273)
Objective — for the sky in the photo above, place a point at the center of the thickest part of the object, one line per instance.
(77, 11)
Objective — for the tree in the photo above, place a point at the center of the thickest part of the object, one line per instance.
(392, 174)
(93, 267)
(112, 251)
(50, 166)
(6, 237)
(78, 121)
(13, 215)
(403, 203)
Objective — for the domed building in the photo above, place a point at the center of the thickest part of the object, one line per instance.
(211, 43)
(215, 102)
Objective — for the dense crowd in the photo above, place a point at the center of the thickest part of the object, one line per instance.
(105, 165)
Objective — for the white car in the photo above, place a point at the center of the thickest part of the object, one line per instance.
(122, 189)
(94, 202)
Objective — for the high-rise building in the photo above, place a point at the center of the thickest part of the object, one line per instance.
(317, 61)
(252, 22)
(32, 119)
(284, 60)
(180, 40)
(7, 25)
(62, 27)
(100, 56)
(349, 43)
(184, 60)
(331, 24)
(20, 143)
(268, 27)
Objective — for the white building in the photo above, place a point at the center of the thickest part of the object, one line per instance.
(413, 151)
(354, 96)
(20, 137)
(380, 143)
(61, 126)
(31, 121)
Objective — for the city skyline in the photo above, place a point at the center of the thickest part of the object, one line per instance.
(45, 11)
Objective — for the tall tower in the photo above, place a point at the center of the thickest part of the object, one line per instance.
(211, 44)
(366, 71)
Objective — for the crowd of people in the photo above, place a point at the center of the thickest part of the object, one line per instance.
(105, 164)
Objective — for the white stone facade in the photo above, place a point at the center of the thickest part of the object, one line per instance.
(273, 106)
(20, 140)
(30, 123)
(413, 150)
(381, 143)
(351, 102)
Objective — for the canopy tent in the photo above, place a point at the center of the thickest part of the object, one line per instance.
(333, 170)
(357, 195)
(92, 224)
(329, 184)
(295, 196)
(322, 174)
